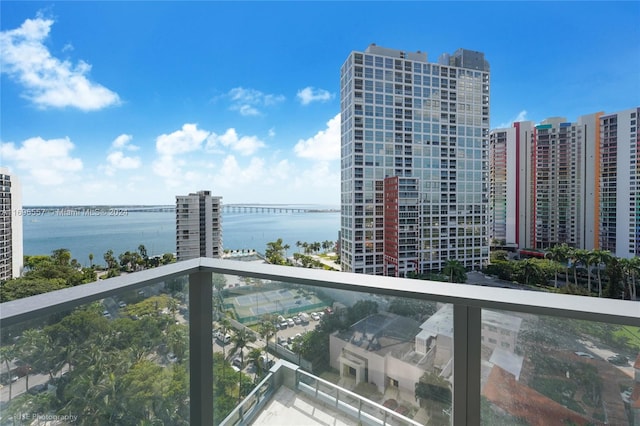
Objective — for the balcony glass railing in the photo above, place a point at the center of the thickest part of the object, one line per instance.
(195, 343)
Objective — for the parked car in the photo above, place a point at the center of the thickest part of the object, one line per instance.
(290, 322)
(618, 359)
(297, 320)
(315, 316)
(284, 324)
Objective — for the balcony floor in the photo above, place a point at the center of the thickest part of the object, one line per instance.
(287, 407)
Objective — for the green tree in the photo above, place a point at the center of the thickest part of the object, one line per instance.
(582, 257)
(8, 354)
(168, 258)
(601, 257)
(630, 271)
(91, 260)
(254, 356)
(454, 271)
(502, 255)
(615, 277)
(361, 309)
(142, 250)
(276, 252)
(434, 388)
(241, 339)
(61, 256)
(560, 254)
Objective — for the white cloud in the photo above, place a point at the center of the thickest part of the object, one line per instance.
(188, 139)
(310, 94)
(248, 101)
(325, 145)
(245, 145)
(522, 116)
(48, 81)
(122, 142)
(169, 168)
(48, 162)
(117, 160)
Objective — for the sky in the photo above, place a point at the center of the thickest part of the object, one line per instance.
(135, 102)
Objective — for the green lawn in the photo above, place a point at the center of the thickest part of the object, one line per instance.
(631, 333)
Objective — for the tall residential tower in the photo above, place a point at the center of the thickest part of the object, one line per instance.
(414, 138)
(573, 183)
(11, 261)
(198, 225)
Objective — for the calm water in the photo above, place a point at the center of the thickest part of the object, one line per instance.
(156, 230)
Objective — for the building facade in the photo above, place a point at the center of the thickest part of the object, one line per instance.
(619, 197)
(198, 225)
(414, 152)
(11, 255)
(571, 183)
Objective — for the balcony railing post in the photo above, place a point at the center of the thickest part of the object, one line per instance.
(200, 348)
(467, 328)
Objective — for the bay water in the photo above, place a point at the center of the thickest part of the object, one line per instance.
(96, 234)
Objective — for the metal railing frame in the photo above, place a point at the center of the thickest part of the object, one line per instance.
(467, 300)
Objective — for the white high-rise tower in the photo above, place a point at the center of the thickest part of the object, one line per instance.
(11, 260)
(414, 138)
(198, 225)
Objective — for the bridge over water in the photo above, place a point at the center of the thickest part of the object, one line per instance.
(243, 208)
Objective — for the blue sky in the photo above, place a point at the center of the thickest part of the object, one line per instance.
(135, 102)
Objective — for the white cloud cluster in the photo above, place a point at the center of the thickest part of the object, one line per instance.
(117, 160)
(245, 145)
(310, 94)
(324, 145)
(176, 166)
(48, 162)
(248, 101)
(48, 81)
(522, 116)
(187, 139)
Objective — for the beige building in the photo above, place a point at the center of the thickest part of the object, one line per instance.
(11, 212)
(198, 225)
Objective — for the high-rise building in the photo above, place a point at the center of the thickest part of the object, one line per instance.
(198, 225)
(619, 197)
(414, 138)
(11, 260)
(571, 183)
(541, 173)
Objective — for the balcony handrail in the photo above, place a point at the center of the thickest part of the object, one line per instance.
(614, 311)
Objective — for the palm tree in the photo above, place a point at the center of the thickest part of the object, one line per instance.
(530, 269)
(560, 254)
(601, 257)
(240, 341)
(225, 324)
(7, 354)
(454, 270)
(30, 347)
(91, 259)
(254, 355)
(583, 257)
(267, 329)
(630, 269)
(635, 265)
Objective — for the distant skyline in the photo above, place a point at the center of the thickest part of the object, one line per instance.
(136, 102)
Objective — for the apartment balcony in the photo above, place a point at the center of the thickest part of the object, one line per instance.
(140, 349)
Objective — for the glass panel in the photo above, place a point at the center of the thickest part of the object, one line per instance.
(361, 355)
(556, 370)
(120, 360)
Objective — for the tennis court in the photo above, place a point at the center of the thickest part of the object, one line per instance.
(252, 306)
